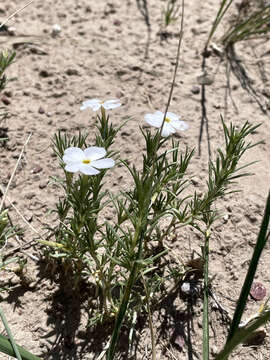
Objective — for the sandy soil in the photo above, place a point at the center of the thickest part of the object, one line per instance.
(114, 50)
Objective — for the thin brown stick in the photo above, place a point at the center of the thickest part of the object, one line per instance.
(13, 173)
(181, 34)
(16, 12)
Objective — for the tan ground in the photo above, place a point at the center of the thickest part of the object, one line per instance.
(109, 50)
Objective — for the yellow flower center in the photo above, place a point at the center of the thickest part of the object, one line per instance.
(86, 161)
(167, 120)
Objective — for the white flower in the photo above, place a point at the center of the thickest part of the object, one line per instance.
(86, 161)
(95, 104)
(171, 124)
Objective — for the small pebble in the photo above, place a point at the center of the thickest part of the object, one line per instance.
(195, 90)
(266, 92)
(56, 30)
(41, 110)
(71, 72)
(258, 291)
(30, 195)
(185, 288)
(119, 94)
(43, 184)
(117, 22)
(8, 93)
(205, 79)
(5, 100)
(36, 169)
(11, 30)
(44, 73)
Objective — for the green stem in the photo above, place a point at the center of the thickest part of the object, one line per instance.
(125, 301)
(154, 354)
(206, 297)
(16, 351)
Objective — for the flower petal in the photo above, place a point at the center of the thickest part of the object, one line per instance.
(111, 104)
(87, 169)
(72, 167)
(153, 120)
(94, 153)
(94, 104)
(103, 163)
(167, 130)
(172, 116)
(73, 154)
(158, 115)
(179, 125)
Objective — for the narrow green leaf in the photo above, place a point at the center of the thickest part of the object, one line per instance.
(261, 241)
(6, 348)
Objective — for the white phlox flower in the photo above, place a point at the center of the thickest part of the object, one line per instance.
(86, 161)
(171, 125)
(95, 104)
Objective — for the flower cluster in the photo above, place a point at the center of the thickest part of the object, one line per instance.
(88, 161)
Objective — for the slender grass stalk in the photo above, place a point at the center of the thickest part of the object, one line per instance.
(181, 33)
(124, 304)
(6, 348)
(154, 353)
(14, 346)
(206, 297)
(221, 12)
(13, 172)
(261, 241)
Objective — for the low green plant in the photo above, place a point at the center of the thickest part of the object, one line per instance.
(172, 12)
(250, 24)
(224, 6)
(252, 21)
(6, 59)
(120, 255)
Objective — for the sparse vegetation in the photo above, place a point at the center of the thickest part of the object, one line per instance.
(117, 249)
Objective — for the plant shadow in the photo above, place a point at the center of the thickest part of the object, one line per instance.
(236, 66)
(179, 321)
(69, 315)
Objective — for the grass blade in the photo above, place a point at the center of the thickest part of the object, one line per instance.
(6, 348)
(261, 241)
(220, 14)
(242, 335)
(206, 298)
(14, 346)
